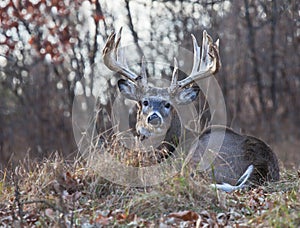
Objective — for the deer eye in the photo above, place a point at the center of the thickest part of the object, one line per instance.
(167, 105)
(145, 103)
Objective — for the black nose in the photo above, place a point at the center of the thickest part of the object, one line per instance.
(154, 119)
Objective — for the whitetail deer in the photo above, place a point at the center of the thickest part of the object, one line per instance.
(239, 158)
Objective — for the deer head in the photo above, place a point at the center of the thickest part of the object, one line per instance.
(156, 115)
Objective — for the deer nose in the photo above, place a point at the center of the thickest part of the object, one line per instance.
(154, 119)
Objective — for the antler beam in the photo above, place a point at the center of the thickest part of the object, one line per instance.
(114, 59)
(206, 61)
(203, 66)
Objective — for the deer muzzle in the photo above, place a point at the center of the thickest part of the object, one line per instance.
(154, 119)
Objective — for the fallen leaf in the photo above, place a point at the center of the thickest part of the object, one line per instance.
(185, 215)
(49, 213)
(102, 220)
(222, 219)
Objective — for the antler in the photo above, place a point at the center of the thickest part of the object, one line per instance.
(204, 66)
(114, 59)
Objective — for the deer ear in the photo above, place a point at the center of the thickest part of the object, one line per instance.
(128, 89)
(187, 95)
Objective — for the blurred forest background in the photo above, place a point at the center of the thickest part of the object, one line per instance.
(49, 49)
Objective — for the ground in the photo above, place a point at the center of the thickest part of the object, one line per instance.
(57, 193)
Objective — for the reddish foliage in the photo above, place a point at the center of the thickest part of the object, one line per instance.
(102, 220)
(185, 215)
(98, 17)
(36, 19)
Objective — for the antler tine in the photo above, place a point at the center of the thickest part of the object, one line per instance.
(114, 59)
(173, 85)
(206, 65)
(196, 59)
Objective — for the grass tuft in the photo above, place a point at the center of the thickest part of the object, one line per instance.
(56, 192)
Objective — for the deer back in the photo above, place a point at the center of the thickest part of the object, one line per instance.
(235, 155)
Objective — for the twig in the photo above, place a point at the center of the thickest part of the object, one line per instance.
(17, 200)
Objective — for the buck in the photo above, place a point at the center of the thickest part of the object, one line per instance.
(239, 160)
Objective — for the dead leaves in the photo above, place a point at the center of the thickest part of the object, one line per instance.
(68, 182)
(243, 209)
(176, 219)
(193, 219)
(185, 215)
(254, 201)
(72, 197)
(117, 217)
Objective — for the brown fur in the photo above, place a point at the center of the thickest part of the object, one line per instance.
(157, 119)
(236, 154)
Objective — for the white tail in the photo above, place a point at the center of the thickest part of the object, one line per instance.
(240, 183)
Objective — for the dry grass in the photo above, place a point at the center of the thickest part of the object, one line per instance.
(58, 193)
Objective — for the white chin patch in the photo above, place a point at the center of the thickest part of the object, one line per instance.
(144, 133)
(159, 131)
(150, 139)
(154, 132)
